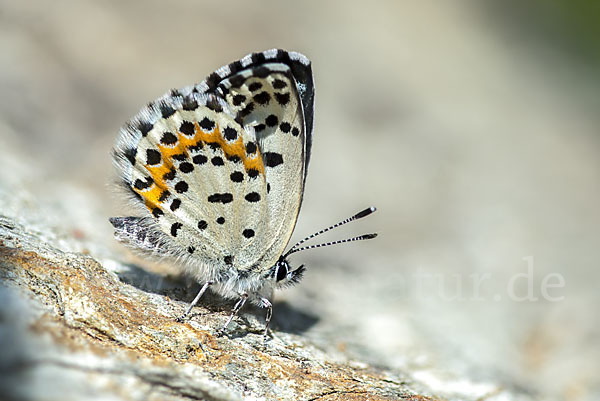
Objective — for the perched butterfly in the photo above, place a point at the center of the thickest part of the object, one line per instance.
(218, 170)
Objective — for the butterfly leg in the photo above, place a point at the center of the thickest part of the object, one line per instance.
(236, 309)
(195, 301)
(265, 303)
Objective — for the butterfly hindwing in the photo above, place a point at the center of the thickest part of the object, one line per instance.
(220, 166)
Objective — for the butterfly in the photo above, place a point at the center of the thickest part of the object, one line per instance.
(217, 172)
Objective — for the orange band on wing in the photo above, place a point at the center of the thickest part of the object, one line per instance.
(235, 148)
(153, 194)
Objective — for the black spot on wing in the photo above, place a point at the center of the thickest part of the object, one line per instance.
(254, 86)
(186, 167)
(237, 176)
(166, 111)
(251, 147)
(199, 159)
(187, 128)
(279, 84)
(220, 198)
(130, 154)
(238, 100)
(236, 81)
(207, 124)
(252, 197)
(285, 127)
(181, 187)
(262, 98)
(282, 98)
(272, 120)
(174, 228)
(175, 204)
(230, 134)
(145, 127)
(272, 159)
(143, 184)
(168, 138)
(190, 104)
(152, 157)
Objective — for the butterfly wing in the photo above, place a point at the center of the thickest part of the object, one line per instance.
(273, 93)
(220, 166)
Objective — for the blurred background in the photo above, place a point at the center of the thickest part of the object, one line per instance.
(473, 126)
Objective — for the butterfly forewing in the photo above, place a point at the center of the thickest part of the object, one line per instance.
(266, 99)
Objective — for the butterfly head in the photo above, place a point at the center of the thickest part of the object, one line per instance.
(283, 274)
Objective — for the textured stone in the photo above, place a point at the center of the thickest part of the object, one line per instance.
(75, 329)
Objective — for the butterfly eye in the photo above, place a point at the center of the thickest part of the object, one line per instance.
(282, 271)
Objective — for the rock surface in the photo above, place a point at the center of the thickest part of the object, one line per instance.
(73, 329)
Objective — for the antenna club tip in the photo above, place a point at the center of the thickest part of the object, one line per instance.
(365, 212)
(369, 236)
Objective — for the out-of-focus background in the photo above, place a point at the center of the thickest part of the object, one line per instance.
(473, 126)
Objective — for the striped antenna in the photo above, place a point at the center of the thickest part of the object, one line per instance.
(341, 241)
(359, 215)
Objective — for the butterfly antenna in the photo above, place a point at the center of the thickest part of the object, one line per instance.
(359, 215)
(341, 241)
